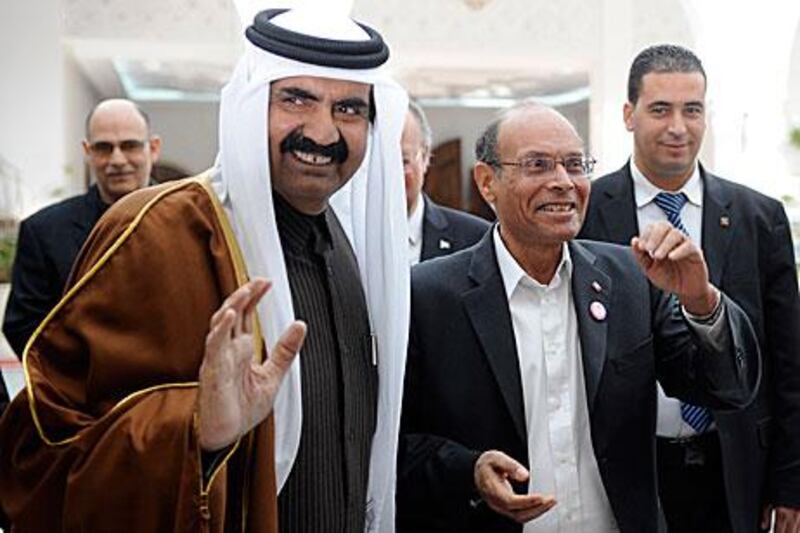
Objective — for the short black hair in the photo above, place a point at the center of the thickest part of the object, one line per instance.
(661, 58)
(138, 108)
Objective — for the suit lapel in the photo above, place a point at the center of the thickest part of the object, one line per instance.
(487, 307)
(84, 219)
(436, 239)
(718, 225)
(586, 278)
(618, 210)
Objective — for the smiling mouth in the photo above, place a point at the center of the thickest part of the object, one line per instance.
(312, 159)
(557, 208)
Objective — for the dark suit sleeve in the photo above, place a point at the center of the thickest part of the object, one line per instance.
(693, 370)
(432, 470)
(782, 343)
(34, 289)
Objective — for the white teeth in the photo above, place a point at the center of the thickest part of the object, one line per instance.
(312, 159)
(557, 208)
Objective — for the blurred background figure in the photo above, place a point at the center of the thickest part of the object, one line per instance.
(120, 150)
(433, 230)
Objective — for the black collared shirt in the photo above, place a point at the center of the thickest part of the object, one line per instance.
(326, 490)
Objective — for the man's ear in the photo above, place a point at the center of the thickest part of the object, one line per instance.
(627, 115)
(484, 176)
(155, 147)
(87, 148)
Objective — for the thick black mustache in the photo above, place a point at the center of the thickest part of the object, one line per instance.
(296, 141)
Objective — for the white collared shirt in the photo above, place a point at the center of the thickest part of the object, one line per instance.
(670, 423)
(415, 232)
(560, 451)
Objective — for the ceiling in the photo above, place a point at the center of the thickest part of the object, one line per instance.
(442, 49)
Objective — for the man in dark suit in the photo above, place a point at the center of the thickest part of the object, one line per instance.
(434, 230)
(729, 473)
(120, 150)
(542, 374)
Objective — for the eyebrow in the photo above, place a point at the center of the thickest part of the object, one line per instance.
(299, 93)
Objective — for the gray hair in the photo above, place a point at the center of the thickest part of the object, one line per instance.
(661, 58)
(422, 120)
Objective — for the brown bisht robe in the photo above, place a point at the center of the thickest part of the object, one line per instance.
(105, 439)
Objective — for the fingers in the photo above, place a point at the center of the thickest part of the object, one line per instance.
(493, 470)
(285, 350)
(219, 335)
(541, 505)
(259, 289)
(242, 301)
(659, 239)
(503, 465)
(641, 254)
(787, 520)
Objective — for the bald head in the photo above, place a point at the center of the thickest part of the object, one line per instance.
(522, 113)
(116, 106)
(533, 171)
(119, 148)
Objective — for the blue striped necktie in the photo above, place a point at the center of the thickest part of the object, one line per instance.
(699, 418)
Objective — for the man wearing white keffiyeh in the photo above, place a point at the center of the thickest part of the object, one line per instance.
(322, 118)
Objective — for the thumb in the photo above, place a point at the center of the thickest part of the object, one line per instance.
(286, 349)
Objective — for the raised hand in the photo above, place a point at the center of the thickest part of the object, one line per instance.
(675, 264)
(492, 473)
(236, 392)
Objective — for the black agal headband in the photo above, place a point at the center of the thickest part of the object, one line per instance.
(315, 50)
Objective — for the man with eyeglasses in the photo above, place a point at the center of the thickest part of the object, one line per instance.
(120, 151)
(718, 471)
(532, 407)
(433, 230)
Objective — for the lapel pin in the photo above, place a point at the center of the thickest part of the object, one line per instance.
(724, 221)
(444, 244)
(597, 287)
(598, 311)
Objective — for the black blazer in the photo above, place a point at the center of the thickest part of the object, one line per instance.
(49, 240)
(446, 230)
(463, 393)
(747, 243)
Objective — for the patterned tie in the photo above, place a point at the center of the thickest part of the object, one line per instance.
(699, 418)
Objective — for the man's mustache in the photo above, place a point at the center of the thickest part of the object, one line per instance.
(296, 141)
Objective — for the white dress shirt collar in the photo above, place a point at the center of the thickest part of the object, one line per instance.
(512, 273)
(415, 222)
(645, 191)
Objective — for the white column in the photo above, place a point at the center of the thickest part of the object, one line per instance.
(609, 141)
(746, 50)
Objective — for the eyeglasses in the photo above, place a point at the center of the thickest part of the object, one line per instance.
(533, 167)
(127, 147)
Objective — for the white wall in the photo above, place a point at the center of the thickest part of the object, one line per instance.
(188, 131)
(31, 101)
